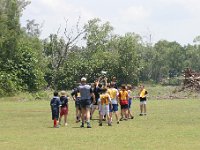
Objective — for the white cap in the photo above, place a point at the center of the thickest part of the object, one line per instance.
(83, 79)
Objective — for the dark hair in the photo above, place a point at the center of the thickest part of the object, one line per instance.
(55, 93)
(112, 84)
(100, 85)
(104, 90)
(129, 86)
(123, 86)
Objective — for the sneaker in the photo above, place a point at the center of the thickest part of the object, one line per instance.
(117, 122)
(109, 124)
(100, 124)
(66, 124)
(132, 117)
(82, 126)
(57, 126)
(121, 119)
(77, 121)
(89, 126)
(141, 114)
(126, 119)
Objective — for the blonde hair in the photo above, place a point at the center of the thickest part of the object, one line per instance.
(63, 93)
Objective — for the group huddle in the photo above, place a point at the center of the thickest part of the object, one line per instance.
(102, 97)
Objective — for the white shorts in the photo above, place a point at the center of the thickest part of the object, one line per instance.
(104, 110)
(143, 102)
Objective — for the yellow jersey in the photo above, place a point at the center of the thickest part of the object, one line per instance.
(143, 93)
(113, 93)
(123, 95)
(105, 99)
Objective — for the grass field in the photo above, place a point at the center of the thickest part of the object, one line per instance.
(169, 125)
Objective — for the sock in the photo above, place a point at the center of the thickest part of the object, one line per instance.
(55, 122)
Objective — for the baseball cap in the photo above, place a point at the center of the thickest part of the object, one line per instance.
(83, 79)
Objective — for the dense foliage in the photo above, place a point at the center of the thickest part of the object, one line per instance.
(30, 63)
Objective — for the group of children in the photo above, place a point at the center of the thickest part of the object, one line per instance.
(104, 98)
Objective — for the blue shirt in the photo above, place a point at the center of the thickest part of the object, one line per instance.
(55, 103)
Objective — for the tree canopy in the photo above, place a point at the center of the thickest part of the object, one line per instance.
(28, 63)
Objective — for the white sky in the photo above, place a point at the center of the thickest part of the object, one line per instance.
(172, 20)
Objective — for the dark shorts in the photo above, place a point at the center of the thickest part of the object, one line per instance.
(114, 108)
(86, 103)
(78, 105)
(124, 106)
(143, 99)
(55, 114)
(129, 102)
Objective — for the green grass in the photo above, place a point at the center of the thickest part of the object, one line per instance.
(170, 125)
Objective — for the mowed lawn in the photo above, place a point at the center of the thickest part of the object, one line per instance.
(169, 125)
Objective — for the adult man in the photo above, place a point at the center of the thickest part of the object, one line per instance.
(85, 102)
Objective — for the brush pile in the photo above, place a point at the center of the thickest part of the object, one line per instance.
(191, 80)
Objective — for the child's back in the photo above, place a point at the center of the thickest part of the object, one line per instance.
(55, 106)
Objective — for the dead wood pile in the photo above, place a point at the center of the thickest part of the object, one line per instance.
(191, 80)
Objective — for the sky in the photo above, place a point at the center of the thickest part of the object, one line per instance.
(171, 20)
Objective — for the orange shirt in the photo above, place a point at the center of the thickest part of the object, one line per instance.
(123, 95)
(105, 99)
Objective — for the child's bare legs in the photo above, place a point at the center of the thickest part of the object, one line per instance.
(78, 114)
(145, 109)
(94, 107)
(141, 108)
(117, 116)
(60, 120)
(126, 113)
(110, 114)
(130, 114)
(65, 119)
(109, 119)
(100, 119)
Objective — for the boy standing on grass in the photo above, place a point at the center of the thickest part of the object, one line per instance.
(97, 91)
(77, 97)
(143, 98)
(113, 92)
(64, 107)
(55, 109)
(123, 98)
(104, 101)
(129, 88)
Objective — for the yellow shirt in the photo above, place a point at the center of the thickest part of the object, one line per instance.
(105, 99)
(143, 93)
(113, 93)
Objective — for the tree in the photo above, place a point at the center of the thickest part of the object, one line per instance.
(57, 50)
(128, 58)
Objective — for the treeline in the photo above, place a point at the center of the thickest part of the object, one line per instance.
(28, 63)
